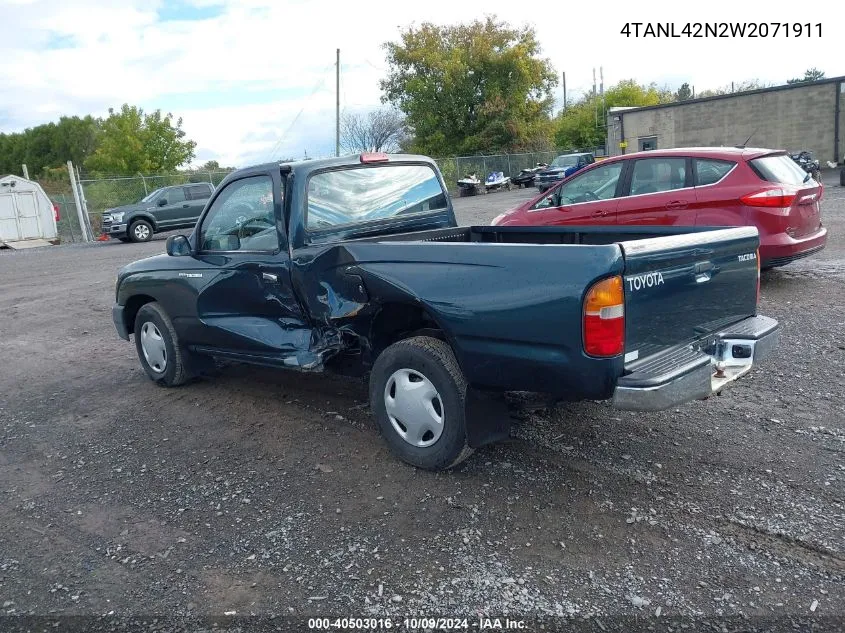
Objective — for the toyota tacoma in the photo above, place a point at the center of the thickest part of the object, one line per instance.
(356, 265)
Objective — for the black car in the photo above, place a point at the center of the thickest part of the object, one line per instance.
(165, 209)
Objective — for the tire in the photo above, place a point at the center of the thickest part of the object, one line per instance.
(125, 240)
(421, 359)
(159, 351)
(842, 177)
(140, 231)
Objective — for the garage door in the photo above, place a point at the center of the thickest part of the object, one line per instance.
(8, 218)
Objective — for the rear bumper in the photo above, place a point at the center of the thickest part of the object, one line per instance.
(691, 373)
(787, 249)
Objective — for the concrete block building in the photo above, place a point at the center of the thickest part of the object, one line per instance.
(793, 117)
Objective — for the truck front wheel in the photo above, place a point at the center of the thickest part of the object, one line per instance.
(140, 231)
(159, 351)
(417, 394)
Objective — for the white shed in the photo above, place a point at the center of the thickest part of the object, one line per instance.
(27, 216)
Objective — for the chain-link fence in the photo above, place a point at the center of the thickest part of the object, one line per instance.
(453, 169)
(108, 193)
(100, 194)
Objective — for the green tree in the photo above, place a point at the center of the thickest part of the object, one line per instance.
(470, 88)
(583, 124)
(133, 142)
(683, 93)
(811, 74)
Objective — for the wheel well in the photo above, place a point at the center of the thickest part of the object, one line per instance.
(397, 321)
(133, 304)
(145, 218)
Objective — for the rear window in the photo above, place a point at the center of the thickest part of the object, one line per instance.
(199, 192)
(709, 171)
(364, 194)
(779, 169)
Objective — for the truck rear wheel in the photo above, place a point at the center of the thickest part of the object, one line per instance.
(417, 394)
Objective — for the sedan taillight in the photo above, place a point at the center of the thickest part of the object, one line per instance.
(56, 213)
(782, 198)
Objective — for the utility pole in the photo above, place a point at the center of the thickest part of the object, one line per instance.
(603, 113)
(337, 113)
(595, 102)
(25, 172)
(564, 91)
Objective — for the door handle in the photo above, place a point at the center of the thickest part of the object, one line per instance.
(185, 206)
(269, 277)
(677, 204)
(600, 212)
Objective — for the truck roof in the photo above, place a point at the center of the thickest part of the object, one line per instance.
(304, 167)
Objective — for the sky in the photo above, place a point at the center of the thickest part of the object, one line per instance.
(254, 80)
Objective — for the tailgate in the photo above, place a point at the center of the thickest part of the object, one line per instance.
(681, 288)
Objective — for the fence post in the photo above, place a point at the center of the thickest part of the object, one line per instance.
(510, 171)
(210, 181)
(84, 204)
(83, 227)
(146, 193)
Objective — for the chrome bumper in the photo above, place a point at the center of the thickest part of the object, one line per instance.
(685, 374)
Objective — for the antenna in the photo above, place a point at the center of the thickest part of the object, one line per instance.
(748, 139)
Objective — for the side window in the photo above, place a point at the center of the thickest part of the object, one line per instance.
(242, 218)
(709, 171)
(174, 195)
(364, 194)
(599, 183)
(198, 192)
(653, 175)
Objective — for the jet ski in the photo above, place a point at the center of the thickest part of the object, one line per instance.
(497, 180)
(468, 185)
(526, 177)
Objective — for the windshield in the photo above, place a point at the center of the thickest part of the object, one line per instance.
(150, 196)
(565, 161)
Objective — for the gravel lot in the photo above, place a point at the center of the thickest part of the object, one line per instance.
(266, 492)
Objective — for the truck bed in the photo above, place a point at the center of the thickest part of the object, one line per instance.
(682, 285)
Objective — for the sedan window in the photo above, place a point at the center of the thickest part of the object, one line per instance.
(653, 175)
(598, 183)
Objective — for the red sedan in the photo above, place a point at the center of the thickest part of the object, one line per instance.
(693, 187)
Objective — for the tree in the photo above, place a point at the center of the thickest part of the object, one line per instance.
(683, 93)
(132, 142)
(377, 131)
(742, 86)
(583, 124)
(469, 88)
(811, 74)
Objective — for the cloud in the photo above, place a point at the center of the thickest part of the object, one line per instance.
(254, 79)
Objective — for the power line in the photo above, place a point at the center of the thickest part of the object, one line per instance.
(317, 87)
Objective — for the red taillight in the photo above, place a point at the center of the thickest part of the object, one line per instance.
(758, 276)
(373, 157)
(770, 198)
(56, 214)
(604, 318)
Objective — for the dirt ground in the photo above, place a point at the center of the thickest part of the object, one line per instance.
(266, 492)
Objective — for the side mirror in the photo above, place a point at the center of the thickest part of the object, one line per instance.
(162, 202)
(178, 246)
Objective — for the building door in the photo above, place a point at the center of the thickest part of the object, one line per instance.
(27, 208)
(8, 218)
(647, 143)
